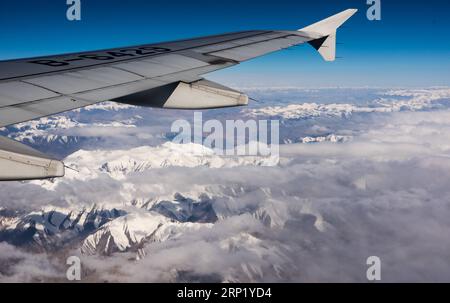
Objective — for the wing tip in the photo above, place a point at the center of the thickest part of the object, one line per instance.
(331, 24)
(325, 33)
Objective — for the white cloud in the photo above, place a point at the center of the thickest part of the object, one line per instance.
(19, 266)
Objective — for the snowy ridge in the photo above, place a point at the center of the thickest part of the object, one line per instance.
(416, 100)
(131, 232)
(52, 228)
(52, 129)
(103, 231)
(130, 229)
(119, 163)
(330, 138)
(106, 106)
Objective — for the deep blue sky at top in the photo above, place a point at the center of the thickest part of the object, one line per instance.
(410, 46)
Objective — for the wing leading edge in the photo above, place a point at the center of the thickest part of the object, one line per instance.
(165, 75)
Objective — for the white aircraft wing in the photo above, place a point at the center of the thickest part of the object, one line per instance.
(165, 75)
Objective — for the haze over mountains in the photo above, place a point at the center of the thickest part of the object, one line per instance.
(361, 172)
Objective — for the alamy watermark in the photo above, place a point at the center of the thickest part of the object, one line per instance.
(74, 10)
(374, 10)
(232, 138)
(374, 271)
(73, 272)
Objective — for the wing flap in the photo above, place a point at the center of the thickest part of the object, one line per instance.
(160, 66)
(113, 92)
(17, 92)
(36, 109)
(179, 62)
(20, 162)
(200, 94)
(84, 80)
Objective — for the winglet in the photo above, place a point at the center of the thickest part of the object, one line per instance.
(325, 31)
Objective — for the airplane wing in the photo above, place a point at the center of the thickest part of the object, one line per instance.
(164, 75)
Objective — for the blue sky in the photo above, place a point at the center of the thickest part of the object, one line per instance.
(408, 47)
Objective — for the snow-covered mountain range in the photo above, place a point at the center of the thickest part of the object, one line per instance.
(390, 101)
(184, 213)
(127, 227)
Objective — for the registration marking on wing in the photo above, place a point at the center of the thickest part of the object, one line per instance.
(103, 56)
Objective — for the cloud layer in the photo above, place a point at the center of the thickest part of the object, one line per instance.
(315, 217)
